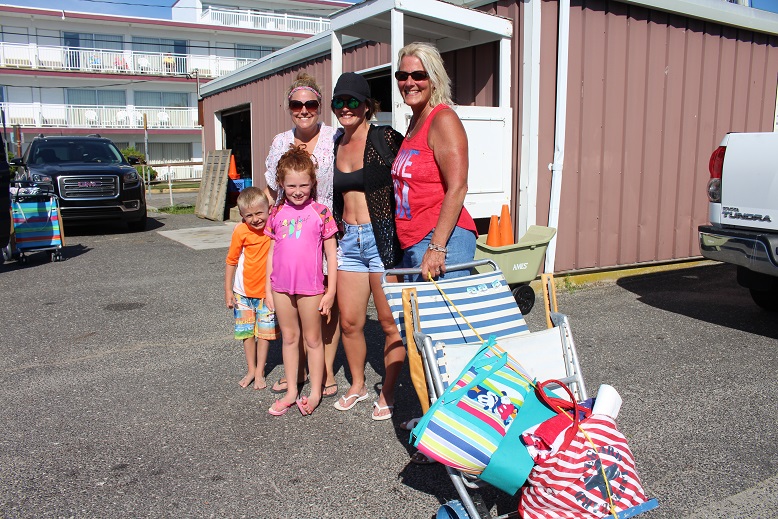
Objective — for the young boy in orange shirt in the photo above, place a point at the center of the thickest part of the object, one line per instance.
(244, 284)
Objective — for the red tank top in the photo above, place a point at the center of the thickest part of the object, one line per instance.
(419, 188)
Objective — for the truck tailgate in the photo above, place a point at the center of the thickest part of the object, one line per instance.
(749, 184)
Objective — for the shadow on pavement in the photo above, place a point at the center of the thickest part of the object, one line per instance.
(106, 227)
(708, 293)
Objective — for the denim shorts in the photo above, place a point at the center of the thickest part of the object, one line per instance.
(461, 249)
(357, 250)
(254, 319)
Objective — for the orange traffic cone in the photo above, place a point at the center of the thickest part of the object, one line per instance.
(506, 227)
(493, 238)
(233, 171)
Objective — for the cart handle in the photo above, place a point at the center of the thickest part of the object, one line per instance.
(458, 266)
(46, 188)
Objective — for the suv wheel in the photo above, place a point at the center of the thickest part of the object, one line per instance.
(138, 225)
(767, 300)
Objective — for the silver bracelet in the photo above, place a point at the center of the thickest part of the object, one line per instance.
(437, 248)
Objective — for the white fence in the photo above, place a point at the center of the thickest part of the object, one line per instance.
(40, 115)
(173, 172)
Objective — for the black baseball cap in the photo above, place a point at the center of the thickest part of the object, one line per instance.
(352, 84)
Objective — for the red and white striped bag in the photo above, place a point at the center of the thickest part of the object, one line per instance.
(591, 476)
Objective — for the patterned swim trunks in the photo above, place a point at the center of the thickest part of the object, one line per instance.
(254, 319)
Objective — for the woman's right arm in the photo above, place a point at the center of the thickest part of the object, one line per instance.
(271, 194)
(276, 150)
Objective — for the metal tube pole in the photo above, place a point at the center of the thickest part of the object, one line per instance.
(146, 146)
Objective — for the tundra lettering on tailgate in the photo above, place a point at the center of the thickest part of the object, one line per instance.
(735, 214)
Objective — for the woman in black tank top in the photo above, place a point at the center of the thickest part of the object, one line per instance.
(363, 205)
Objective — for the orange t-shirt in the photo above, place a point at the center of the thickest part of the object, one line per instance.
(252, 271)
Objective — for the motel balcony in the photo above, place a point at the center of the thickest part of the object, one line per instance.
(30, 56)
(265, 21)
(41, 115)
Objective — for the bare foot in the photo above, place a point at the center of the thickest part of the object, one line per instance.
(309, 404)
(259, 383)
(245, 381)
(288, 400)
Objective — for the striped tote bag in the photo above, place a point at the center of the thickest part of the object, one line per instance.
(591, 476)
(466, 425)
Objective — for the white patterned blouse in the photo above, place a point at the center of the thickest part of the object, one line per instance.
(323, 151)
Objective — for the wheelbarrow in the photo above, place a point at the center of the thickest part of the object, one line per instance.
(520, 262)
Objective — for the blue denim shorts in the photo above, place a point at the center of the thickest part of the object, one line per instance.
(357, 250)
(461, 249)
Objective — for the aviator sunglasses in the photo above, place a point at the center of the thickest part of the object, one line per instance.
(352, 103)
(417, 75)
(312, 105)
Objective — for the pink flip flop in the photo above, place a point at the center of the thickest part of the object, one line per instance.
(301, 406)
(275, 411)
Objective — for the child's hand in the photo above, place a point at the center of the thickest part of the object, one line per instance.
(269, 302)
(229, 300)
(325, 306)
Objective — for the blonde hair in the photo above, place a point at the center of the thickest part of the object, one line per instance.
(297, 159)
(432, 62)
(306, 82)
(251, 196)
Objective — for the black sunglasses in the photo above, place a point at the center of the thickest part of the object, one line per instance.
(417, 75)
(352, 103)
(312, 105)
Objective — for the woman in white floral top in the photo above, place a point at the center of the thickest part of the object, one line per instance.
(304, 103)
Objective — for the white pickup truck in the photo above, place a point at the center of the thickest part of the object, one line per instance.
(743, 211)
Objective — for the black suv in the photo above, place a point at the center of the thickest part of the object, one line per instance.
(90, 176)
(5, 197)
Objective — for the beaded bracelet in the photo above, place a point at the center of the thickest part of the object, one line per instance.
(437, 248)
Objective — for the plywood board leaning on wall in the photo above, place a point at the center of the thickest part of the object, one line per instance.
(213, 188)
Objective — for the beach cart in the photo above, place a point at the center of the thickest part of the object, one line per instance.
(519, 262)
(37, 222)
(445, 325)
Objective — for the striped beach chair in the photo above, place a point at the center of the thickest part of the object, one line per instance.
(37, 223)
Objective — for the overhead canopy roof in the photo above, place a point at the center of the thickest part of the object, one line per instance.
(449, 27)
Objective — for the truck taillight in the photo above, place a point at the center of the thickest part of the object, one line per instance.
(715, 166)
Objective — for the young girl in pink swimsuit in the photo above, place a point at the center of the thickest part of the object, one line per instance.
(300, 227)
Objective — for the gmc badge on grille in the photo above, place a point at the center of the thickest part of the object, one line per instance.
(89, 184)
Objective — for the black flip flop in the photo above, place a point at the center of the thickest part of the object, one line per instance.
(325, 395)
(282, 391)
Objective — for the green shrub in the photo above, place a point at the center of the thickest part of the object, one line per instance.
(13, 168)
(132, 152)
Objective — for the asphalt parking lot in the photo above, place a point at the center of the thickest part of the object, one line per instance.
(118, 383)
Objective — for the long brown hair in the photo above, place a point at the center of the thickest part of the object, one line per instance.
(297, 159)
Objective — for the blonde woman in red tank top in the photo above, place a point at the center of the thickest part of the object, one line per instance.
(430, 175)
(430, 171)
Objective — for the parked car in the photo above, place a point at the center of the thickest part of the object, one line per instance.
(5, 197)
(743, 209)
(93, 180)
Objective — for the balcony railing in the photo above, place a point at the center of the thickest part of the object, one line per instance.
(265, 21)
(40, 115)
(70, 59)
